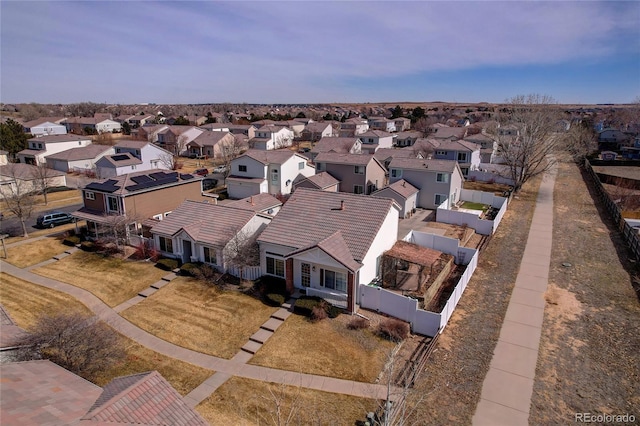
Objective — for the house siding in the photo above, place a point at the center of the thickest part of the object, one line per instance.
(147, 204)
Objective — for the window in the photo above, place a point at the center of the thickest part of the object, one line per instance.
(275, 266)
(158, 217)
(440, 198)
(166, 244)
(210, 256)
(39, 146)
(465, 170)
(89, 195)
(396, 173)
(319, 167)
(359, 170)
(462, 156)
(301, 165)
(358, 189)
(305, 274)
(372, 187)
(112, 204)
(442, 177)
(133, 167)
(274, 176)
(242, 168)
(333, 280)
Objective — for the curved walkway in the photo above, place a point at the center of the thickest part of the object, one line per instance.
(223, 367)
(508, 386)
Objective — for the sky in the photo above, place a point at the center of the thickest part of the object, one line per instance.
(318, 52)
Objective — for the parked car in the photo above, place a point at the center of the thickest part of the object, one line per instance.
(201, 172)
(220, 169)
(209, 183)
(50, 220)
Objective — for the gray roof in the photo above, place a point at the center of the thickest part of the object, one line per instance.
(419, 164)
(256, 203)
(382, 154)
(311, 216)
(351, 159)
(80, 153)
(131, 144)
(320, 180)
(60, 138)
(276, 156)
(206, 223)
(208, 138)
(457, 145)
(375, 133)
(400, 187)
(118, 160)
(334, 144)
(317, 126)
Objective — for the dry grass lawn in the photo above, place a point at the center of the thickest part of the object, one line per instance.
(326, 348)
(26, 302)
(248, 402)
(112, 280)
(33, 253)
(54, 200)
(193, 315)
(496, 188)
(35, 232)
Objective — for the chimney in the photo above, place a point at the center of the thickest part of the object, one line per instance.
(342, 205)
(251, 201)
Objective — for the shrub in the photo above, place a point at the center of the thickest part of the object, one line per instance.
(189, 269)
(208, 274)
(71, 240)
(393, 329)
(305, 304)
(318, 313)
(332, 311)
(167, 264)
(145, 250)
(358, 323)
(89, 246)
(274, 299)
(269, 284)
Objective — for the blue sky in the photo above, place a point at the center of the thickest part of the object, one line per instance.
(318, 52)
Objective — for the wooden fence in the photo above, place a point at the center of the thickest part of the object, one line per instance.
(629, 234)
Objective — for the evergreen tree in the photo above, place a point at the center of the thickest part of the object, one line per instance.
(13, 139)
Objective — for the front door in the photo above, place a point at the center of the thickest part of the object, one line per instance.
(186, 251)
(305, 274)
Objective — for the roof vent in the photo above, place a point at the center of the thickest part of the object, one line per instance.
(342, 205)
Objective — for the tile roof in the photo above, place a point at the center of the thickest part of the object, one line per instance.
(335, 246)
(118, 160)
(256, 203)
(208, 138)
(420, 164)
(414, 253)
(276, 156)
(457, 145)
(401, 187)
(310, 216)
(80, 153)
(340, 158)
(334, 144)
(60, 138)
(41, 120)
(131, 144)
(383, 154)
(206, 223)
(375, 133)
(146, 399)
(320, 180)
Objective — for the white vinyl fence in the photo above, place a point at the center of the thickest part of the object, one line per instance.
(248, 273)
(472, 220)
(405, 308)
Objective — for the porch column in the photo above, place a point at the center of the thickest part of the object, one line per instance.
(351, 297)
(288, 273)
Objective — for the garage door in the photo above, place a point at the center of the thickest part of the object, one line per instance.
(240, 190)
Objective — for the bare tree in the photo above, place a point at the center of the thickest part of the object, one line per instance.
(229, 151)
(42, 178)
(580, 141)
(286, 406)
(18, 195)
(85, 346)
(528, 150)
(242, 250)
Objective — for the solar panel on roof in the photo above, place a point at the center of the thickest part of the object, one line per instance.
(157, 175)
(106, 186)
(141, 179)
(186, 176)
(119, 157)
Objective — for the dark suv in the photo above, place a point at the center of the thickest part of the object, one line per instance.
(50, 220)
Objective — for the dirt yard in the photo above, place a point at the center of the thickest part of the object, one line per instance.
(449, 388)
(589, 360)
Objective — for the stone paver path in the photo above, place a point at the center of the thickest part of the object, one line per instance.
(508, 386)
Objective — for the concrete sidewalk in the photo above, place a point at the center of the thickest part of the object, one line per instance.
(232, 367)
(508, 386)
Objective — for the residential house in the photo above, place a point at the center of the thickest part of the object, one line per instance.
(322, 180)
(315, 131)
(20, 178)
(271, 137)
(486, 143)
(613, 140)
(130, 200)
(247, 130)
(196, 120)
(41, 392)
(632, 152)
(136, 121)
(43, 146)
(329, 243)
(210, 144)
(350, 145)
(403, 139)
(98, 123)
(149, 132)
(81, 159)
(273, 172)
(372, 140)
(175, 138)
(385, 155)
(133, 156)
(357, 173)
(45, 126)
(467, 154)
(404, 194)
(353, 127)
(265, 204)
(437, 180)
(202, 232)
(382, 124)
(402, 124)
(446, 132)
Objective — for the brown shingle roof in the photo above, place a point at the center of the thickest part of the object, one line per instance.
(276, 156)
(146, 399)
(334, 144)
(383, 154)
(208, 138)
(80, 153)
(337, 248)
(206, 223)
(60, 138)
(256, 203)
(311, 215)
(131, 144)
(419, 164)
(320, 180)
(338, 158)
(414, 253)
(402, 188)
(119, 160)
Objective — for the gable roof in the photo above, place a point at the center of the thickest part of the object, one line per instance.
(208, 138)
(335, 246)
(334, 144)
(42, 120)
(448, 166)
(311, 216)
(131, 144)
(60, 138)
(276, 156)
(316, 126)
(256, 203)
(206, 223)
(383, 154)
(320, 180)
(80, 153)
(400, 187)
(454, 145)
(122, 159)
(376, 133)
(146, 399)
(349, 159)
